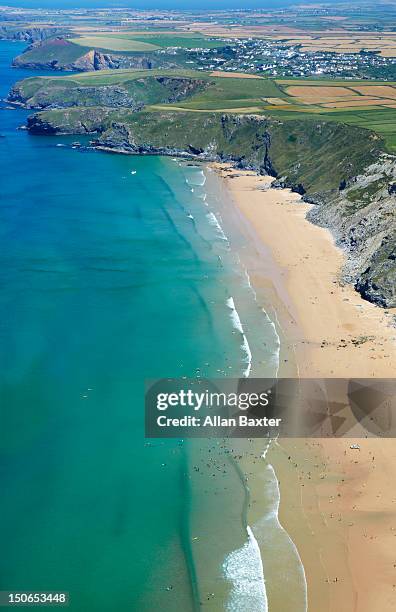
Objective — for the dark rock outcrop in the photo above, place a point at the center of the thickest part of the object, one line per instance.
(60, 54)
(111, 96)
(378, 282)
(31, 34)
(91, 121)
(362, 217)
(133, 94)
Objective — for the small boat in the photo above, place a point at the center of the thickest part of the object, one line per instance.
(133, 171)
(190, 216)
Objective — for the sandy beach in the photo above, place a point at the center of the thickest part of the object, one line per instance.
(337, 503)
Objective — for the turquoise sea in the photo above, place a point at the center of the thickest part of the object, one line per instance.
(113, 269)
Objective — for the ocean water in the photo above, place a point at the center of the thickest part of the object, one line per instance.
(114, 269)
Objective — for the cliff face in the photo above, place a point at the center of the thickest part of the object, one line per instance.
(299, 153)
(342, 169)
(29, 34)
(91, 121)
(60, 54)
(363, 218)
(133, 95)
(111, 96)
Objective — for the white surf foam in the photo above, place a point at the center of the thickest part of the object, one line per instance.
(244, 569)
(198, 178)
(249, 284)
(276, 355)
(234, 315)
(273, 517)
(246, 348)
(203, 197)
(265, 451)
(236, 321)
(214, 221)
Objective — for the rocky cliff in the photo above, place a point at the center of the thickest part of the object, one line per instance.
(60, 54)
(29, 34)
(342, 169)
(91, 121)
(362, 215)
(132, 94)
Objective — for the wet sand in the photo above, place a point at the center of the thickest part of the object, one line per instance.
(337, 503)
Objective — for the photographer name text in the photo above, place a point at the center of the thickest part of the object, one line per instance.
(217, 421)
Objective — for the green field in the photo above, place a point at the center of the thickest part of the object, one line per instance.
(112, 43)
(163, 40)
(376, 117)
(62, 51)
(114, 77)
(381, 121)
(235, 94)
(320, 82)
(226, 93)
(221, 93)
(230, 94)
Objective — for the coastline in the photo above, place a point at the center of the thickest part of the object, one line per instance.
(330, 495)
(325, 321)
(336, 502)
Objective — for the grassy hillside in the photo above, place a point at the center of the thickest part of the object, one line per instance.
(132, 93)
(150, 41)
(226, 93)
(368, 104)
(57, 49)
(340, 167)
(253, 95)
(185, 41)
(210, 92)
(118, 77)
(298, 152)
(125, 50)
(109, 43)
